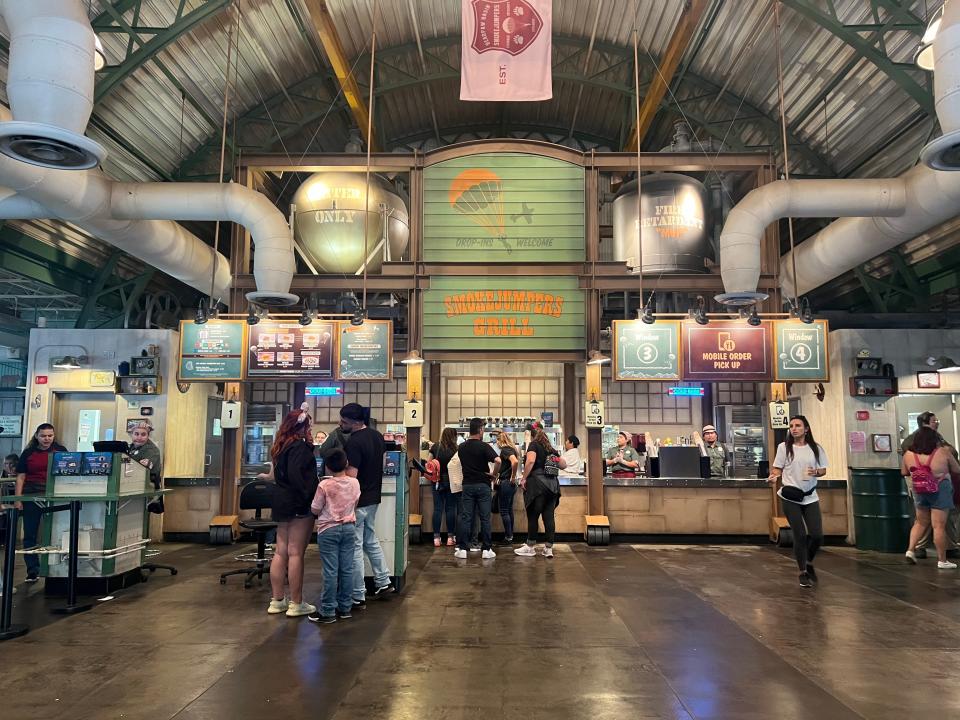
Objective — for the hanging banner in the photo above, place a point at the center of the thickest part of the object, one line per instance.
(506, 50)
(801, 351)
(646, 352)
(727, 350)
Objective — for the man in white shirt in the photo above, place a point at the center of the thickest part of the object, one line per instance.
(571, 455)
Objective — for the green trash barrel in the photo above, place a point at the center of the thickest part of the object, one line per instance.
(881, 509)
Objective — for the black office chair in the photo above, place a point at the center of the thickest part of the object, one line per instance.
(256, 496)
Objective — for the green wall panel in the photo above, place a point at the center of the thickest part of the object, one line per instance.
(515, 313)
(503, 207)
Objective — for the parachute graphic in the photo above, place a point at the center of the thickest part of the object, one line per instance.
(477, 194)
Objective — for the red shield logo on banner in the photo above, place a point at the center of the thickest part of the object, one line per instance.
(510, 26)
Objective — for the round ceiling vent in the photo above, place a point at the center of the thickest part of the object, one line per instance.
(272, 299)
(741, 299)
(49, 146)
(943, 153)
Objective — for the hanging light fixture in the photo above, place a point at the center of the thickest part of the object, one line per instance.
(99, 59)
(412, 358)
(943, 364)
(255, 314)
(924, 55)
(698, 314)
(359, 315)
(751, 316)
(307, 317)
(647, 316)
(201, 313)
(597, 358)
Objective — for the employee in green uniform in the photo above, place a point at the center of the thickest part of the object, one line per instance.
(622, 458)
(715, 451)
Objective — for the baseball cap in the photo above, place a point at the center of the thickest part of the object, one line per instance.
(708, 428)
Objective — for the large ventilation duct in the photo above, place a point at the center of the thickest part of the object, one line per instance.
(877, 215)
(50, 85)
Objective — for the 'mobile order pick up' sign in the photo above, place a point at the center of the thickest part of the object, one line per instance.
(727, 350)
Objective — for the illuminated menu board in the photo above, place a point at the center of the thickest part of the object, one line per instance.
(365, 351)
(727, 350)
(213, 350)
(288, 348)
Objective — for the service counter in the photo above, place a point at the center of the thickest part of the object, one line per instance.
(670, 506)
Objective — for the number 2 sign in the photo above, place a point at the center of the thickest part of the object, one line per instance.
(412, 413)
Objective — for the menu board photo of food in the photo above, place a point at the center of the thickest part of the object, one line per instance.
(282, 349)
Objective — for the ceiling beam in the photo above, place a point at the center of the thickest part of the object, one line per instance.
(662, 75)
(112, 79)
(895, 71)
(330, 40)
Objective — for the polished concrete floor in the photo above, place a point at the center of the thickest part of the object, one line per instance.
(629, 631)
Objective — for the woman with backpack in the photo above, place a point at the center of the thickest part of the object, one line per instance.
(444, 501)
(799, 462)
(930, 466)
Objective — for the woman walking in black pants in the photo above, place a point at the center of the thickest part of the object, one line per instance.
(799, 462)
(541, 493)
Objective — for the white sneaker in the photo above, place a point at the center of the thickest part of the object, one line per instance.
(488, 555)
(946, 565)
(911, 557)
(460, 554)
(278, 606)
(525, 551)
(548, 551)
(299, 609)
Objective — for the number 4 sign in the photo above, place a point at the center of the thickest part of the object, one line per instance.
(778, 416)
(412, 413)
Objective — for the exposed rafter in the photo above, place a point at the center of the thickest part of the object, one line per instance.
(662, 75)
(614, 75)
(330, 39)
(112, 77)
(850, 35)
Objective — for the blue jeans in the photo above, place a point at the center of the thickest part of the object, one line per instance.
(475, 495)
(443, 503)
(368, 543)
(336, 545)
(507, 490)
(32, 514)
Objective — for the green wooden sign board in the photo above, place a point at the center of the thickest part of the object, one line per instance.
(802, 354)
(215, 350)
(365, 352)
(646, 352)
(503, 207)
(505, 313)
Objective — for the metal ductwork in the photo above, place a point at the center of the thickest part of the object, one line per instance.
(877, 215)
(45, 166)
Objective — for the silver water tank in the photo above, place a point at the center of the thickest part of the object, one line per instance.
(329, 222)
(674, 213)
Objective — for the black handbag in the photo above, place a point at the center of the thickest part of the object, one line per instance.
(794, 494)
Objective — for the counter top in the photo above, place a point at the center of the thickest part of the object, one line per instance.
(686, 482)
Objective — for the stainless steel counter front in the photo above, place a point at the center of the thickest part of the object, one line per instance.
(686, 482)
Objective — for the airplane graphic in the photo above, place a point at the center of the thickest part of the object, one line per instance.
(525, 214)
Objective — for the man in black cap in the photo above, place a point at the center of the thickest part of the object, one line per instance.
(364, 450)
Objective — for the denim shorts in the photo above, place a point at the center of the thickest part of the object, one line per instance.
(942, 499)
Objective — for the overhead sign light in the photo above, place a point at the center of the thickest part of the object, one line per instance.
(685, 391)
(323, 391)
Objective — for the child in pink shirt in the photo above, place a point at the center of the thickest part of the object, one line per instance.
(334, 504)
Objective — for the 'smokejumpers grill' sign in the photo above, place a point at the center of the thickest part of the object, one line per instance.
(489, 306)
(548, 314)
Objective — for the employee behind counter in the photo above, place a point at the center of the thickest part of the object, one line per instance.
(623, 458)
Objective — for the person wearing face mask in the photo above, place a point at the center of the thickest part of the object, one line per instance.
(799, 462)
(32, 480)
(714, 451)
(622, 458)
(145, 451)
